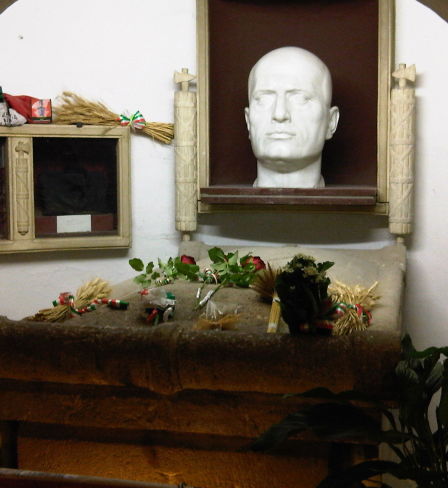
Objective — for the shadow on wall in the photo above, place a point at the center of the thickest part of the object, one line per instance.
(93, 255)
(288, 228)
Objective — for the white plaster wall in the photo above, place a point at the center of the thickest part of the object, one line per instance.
(422, 38)
(125, 53)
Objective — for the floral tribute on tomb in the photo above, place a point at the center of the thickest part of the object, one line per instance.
(309, 303)
(224, 270)
(301, 292)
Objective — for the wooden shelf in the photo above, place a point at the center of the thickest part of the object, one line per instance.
(331, 195)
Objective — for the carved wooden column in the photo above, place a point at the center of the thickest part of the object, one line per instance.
(22, 183)
(402, 152)
(185, 147)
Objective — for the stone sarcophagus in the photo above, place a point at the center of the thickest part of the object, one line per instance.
(107, 395)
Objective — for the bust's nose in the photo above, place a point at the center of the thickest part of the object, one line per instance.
(280, 111)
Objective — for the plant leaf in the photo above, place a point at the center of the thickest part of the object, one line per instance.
(190, 271)
(442, 410)
(278, 433)
(136, 264)
(356, 474)
(140, 279)
(330, 421)
(409, 351)
(232, 258)
(405, 374)
(346, 397)
(149, 267)
(216, 255)
(321, 267)
(434, 380)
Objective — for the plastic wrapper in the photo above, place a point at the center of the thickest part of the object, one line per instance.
(160, 306)
(218, 316)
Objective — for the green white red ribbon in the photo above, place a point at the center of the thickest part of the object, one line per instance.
(68, 299)
(337, 311)
(341, 309)
(136, 121)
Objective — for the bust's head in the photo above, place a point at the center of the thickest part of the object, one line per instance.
(290, 117)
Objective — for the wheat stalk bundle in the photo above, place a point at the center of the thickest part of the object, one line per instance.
(359, 296)
(74, 109)
(96, 288)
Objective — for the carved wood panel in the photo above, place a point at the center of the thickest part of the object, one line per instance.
(22, 185)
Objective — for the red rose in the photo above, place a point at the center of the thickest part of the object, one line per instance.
(187, 259)
(256, 260)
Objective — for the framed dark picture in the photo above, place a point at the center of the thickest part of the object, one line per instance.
(64, 187)
(354, 39)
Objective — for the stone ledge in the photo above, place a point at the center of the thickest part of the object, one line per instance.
(171, 358)
(117, 348)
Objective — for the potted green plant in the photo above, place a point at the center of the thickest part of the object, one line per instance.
(421, 448)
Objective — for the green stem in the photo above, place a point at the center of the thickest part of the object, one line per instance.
(202, 301)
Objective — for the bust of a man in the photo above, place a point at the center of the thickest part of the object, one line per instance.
(290, 117)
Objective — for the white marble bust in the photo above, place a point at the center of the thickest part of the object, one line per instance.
(290, 117)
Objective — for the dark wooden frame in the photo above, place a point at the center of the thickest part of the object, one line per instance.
(355, 173)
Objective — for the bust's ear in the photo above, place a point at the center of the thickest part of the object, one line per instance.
(246, 116)
(333, 122)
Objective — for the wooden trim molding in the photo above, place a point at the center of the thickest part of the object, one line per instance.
(31, 230)
(4, 4)
(439, 6)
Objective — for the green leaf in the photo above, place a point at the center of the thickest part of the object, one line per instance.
(442, 409)
(407, 347)
(136, 264)
(358, 473)
(232, 258)
(321, 267)
(219, 267)
(241, 280)
(347, 397)
(249, 267)
(149, 267)
(434, 381)
(278, 433)
(331, 421)
(405, 374)
(326, 394)
(190, 271)
(216, 254)
(365, 470)
(340, 421)
(409, 352)
(140, 279)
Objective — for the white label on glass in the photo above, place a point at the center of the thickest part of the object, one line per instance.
(74, 223)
